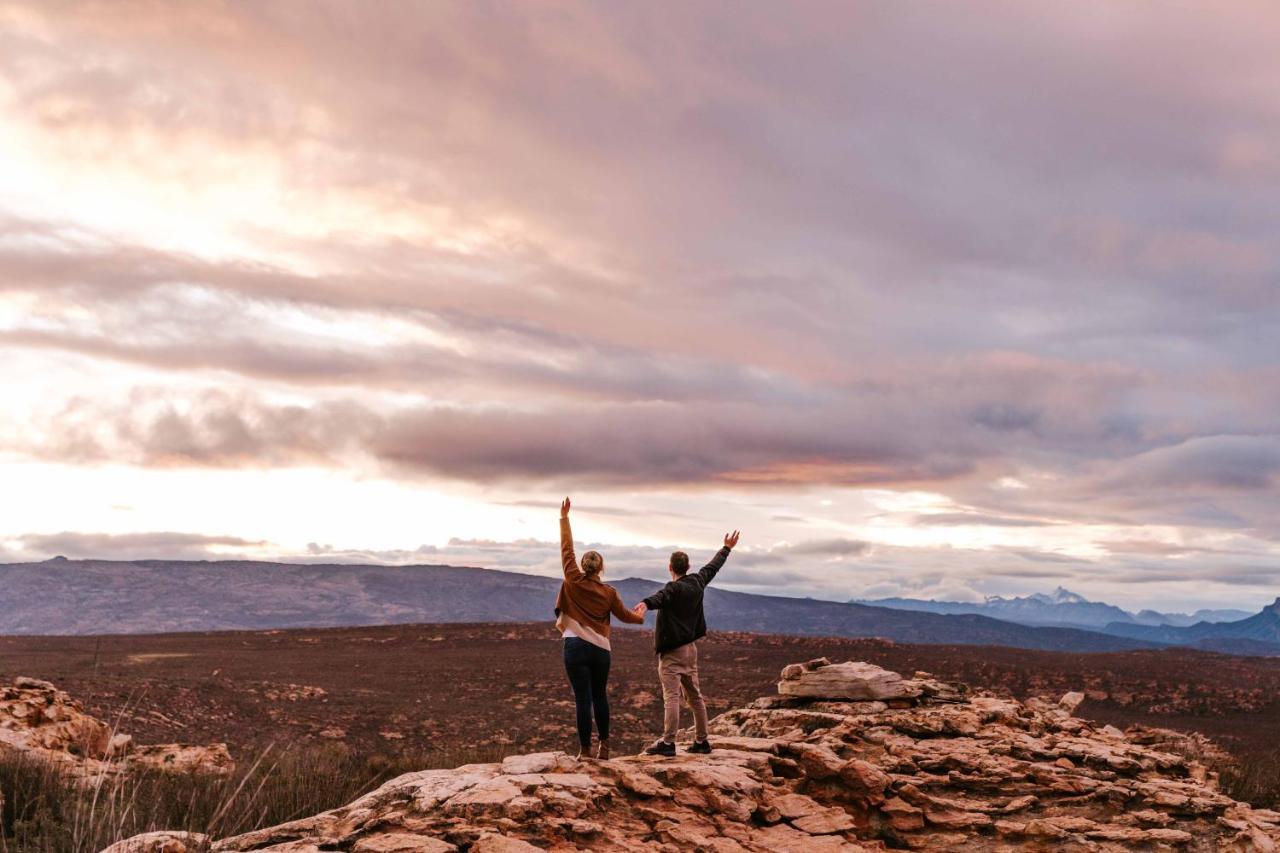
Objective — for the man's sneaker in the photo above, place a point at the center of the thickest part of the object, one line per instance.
(662, 747)
(701, 747)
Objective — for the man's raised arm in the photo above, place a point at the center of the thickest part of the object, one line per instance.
(708, 572)
(567, 558)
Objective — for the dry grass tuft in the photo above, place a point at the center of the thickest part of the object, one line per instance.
(47, 812)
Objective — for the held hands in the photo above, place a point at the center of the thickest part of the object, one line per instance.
(730, 539)
(564, 508)
(640, 609)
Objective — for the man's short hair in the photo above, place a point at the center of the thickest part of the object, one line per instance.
(679, 562)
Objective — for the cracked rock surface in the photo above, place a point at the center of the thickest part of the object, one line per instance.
(848, 757)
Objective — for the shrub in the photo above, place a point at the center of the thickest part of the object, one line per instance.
(1254, 778)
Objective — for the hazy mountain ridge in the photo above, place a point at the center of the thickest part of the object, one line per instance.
(1061, 607)
(1257, 631)
(151, 596)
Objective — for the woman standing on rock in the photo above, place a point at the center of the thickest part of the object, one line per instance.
(582, 615)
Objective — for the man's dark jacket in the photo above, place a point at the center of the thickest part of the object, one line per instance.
(679, 606)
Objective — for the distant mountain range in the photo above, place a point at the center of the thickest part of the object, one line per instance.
(156, 596)
(1062, 608)
(153, 596)
(1260, 631)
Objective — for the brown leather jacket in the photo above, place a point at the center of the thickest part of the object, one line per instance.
(585, 603)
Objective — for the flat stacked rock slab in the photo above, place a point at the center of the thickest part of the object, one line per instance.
(862, 759)
(853, 680)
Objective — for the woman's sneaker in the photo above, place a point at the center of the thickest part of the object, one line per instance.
(662, 747)
(701, 747)
(602, 752)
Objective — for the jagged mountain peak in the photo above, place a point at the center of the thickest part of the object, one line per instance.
(1061, 595)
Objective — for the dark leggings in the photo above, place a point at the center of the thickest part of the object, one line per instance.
(588, 669)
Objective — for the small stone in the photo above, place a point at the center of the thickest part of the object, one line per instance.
(1018, 804)
(1070, 701)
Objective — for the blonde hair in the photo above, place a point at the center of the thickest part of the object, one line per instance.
(592, 564)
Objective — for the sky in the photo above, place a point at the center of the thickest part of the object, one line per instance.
(936, 300)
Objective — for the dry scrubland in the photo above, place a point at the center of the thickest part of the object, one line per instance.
(356, 706)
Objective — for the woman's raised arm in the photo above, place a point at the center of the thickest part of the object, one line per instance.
(567, 558)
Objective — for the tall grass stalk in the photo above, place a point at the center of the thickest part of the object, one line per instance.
(46, 811)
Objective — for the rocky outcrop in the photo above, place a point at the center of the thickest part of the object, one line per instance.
(161, 842)
(863, 760)
(43, 721)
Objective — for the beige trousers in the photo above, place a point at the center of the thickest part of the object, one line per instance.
(678, 672)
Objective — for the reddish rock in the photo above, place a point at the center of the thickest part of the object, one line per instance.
(38, 718)
(936, 768)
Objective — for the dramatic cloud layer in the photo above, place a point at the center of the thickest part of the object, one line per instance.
(950, 303)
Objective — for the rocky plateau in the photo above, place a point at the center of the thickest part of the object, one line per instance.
(846, 757)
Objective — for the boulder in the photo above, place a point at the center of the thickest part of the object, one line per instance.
(214, 759)
(852, 680)
(1070, 701)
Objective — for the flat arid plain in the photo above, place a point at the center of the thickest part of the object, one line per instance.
(501, 689)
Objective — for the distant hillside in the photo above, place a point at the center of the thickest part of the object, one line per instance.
(100, 597)
(1257, 634)
(1061, 607)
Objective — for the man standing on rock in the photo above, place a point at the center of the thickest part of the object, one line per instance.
(681, 623)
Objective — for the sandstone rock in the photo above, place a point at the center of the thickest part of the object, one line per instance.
(866, 782)
(492, 843)
(1018, 804)
(854, 680)
(825, 822)
(539, 762)
(902, 815)
(160, 842)
(402, 842)
(486, 796)
(817, 762)
(993, 710)
(36, 716)
(923, 767)
(43, 721)
(792, 806)
(951, 819)
(1070, 701)
(181, 758)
